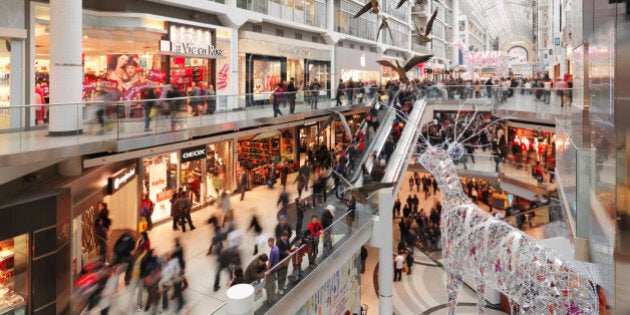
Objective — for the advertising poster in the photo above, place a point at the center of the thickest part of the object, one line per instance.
(340, 294)
(126, 77)
(158, 192)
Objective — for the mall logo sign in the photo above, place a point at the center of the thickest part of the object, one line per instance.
(195, 49)
(191, 41)
(194, 153)
(120, 179)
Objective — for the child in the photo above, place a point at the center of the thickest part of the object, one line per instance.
(399, 261)
(297, 258)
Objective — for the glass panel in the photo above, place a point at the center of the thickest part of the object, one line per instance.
(320, 15)
(309, 8)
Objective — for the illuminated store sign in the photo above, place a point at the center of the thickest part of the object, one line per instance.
(194, 153)
(190, 41)
(120, 179)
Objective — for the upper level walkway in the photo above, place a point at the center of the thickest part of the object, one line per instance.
(120, 126)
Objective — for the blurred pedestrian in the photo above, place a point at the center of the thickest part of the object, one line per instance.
(122, 250)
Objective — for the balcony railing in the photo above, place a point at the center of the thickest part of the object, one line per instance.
(105, 120)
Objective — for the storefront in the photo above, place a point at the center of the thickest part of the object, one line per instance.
(123, 55)
(122, 191)
(539, 139)
(267, 60)
(256, 153)
(357, 64)
(13, 274)
(160, 182)
(35, 253)
(201, 171)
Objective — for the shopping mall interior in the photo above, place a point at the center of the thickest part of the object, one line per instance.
(314, 157)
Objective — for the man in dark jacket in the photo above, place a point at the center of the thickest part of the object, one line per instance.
(327, 220)
(291, 90)
(123, 247)
(282, 227)
(230, 256)
(340, 88)
(256, 269)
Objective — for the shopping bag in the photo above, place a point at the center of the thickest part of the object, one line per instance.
(153, 112)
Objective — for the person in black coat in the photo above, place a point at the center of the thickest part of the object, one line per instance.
(364, 255)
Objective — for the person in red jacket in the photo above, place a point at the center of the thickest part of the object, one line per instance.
(315, 228)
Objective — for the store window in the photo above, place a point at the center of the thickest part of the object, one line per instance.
(295, 69)
(5, 80)
(120, 55)
(219, 164)
(160, 182)
(320, 71)
(13, 275)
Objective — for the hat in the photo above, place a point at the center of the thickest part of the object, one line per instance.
(282, 217)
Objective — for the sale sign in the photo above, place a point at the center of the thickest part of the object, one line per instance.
(223, 77)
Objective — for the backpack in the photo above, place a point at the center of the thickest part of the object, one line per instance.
(146, 209)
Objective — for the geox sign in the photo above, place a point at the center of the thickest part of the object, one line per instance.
(194, 153)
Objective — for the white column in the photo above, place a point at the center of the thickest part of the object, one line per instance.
(455, 32)
(233, 99)
(66, 69)
(330, 26)
(240, 299)
(385, 253)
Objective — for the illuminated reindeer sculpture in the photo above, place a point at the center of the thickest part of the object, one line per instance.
(536, 280)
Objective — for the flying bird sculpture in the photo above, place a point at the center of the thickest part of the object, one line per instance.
(424, 38)
(402, 70)
(400, 4)
(361, 194)
(335, 115)
(372, 5)
(384, 25)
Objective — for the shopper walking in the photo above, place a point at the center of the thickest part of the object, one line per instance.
(122, 249)
(101, 238)
(399, 262)
(171, 278)
(242, 183)
(315, 87)
(340, 89)
(150, 109)
(292, 94)
(277, 99)
(146, 210)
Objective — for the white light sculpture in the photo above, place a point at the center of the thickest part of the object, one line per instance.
(536, 280)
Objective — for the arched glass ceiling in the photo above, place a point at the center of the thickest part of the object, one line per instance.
(507, 19)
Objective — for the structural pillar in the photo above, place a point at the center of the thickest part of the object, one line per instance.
(66, 67)
(240, 299)
(385, 253)
(455, 33)
(330, 26)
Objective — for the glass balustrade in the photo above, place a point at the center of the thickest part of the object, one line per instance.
(303, 260)
(104, 120)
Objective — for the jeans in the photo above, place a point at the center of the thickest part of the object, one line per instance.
(165, 290)
(314, 101)
(276, 110)
(398, 274)
(292, 103)
(282, 277)
(147, 121)
(270, 288)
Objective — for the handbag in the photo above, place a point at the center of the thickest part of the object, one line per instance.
(152, 112)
